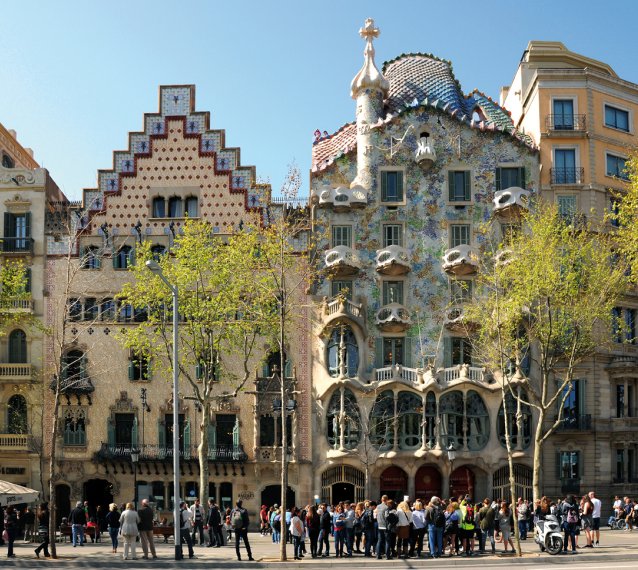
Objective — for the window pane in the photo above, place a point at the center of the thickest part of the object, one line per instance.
(563, 114)
(511, 177)
(393, 351)
(342, 235)
(460, 187)
(159, 208)
(175, 208)
(616, 166)
(567, 206)
(392, 235)
(391, 186)
(460, 235)
(616, 118)
(191, 206)
(392, 292)
(341, 287)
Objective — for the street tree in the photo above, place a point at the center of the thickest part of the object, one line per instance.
(624, 218)
(545, 295)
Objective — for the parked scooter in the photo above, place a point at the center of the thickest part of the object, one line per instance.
(548, 535)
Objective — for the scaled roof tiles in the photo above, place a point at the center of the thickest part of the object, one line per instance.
(415, 80)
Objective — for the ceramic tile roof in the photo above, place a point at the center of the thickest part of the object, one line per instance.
(326, 150)
(415, 80)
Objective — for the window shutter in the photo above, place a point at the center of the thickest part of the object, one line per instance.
(83, 364)
(384, 186)
(131, 369)
(27, 224)
(521, 175)
(467, 189)
(378, 357)
(236, 433)
(27, 280)
(161, 435)
(131, 257)
(110, 431)
(265, 372)
(116, 256)
(582, 392)
(288, 369)
(447, 352)
(450, 175)
(498, 179)
(8, 226)
(407, 349)
(212, 442)
(134, 432)
(400, 192)
(198, 371)
(187, 439)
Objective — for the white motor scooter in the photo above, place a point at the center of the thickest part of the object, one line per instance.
(548, 535)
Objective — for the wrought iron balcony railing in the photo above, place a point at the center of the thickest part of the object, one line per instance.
(17, 244)
(149, 452)
(577, 423)
(565, 122)
(567, 175)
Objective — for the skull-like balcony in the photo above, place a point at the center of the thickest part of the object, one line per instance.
(393, 318)
(342, 261)
(460, 260)
(342, 198)
(456, 320)
(393, 260)
(511, 202)
(425, 153)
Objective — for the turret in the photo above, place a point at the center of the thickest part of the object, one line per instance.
(368, 88)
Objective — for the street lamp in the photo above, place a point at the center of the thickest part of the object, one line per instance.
(135, 457)
(153, 266)
(145, 408)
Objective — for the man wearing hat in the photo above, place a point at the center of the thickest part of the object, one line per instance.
(239, 520)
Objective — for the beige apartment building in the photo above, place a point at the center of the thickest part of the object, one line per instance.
(25, 190)
(175, 167)
(583, 118)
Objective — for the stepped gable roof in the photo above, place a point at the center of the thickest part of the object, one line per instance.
(326, 150)
(422, 80)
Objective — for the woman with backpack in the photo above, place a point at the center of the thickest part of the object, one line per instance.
(276, 526)
(451, 528)
(570, 521)
(391, 529)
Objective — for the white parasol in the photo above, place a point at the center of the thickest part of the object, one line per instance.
(12, 494)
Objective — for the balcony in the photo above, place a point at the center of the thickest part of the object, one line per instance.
(511, 202)
(339, 307)
(342, 261)
(17, 245)
(463, 372)
(15, 442)
(577, 423)
(342, 198)
(393, 318)
(567, 175)
(460, 260)
(16, 372)
(162, 453)
(17, 305)
(567, 124)
(456, 321)
(393, 260)
(397, 373)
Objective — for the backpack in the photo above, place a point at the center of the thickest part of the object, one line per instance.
(391, 521)
(469, 515)
(237, 520)
(572, 515)
(438, 517)
(276, 525)
(366, 520)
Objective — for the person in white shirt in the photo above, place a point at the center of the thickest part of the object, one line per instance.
(595, 518)
(198, 518)
(296, 530)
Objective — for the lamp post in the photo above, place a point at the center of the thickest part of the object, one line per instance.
(451, 455)
(157, 270)
(145, 408)
(135, 457)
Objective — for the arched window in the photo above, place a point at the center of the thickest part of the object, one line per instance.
(74, 426)
(124, 257)
(159, 207)
(352, 420)
(7, 161)
(410, 412)
(158, 251)
(343, 344)
(430, 419)
(382, 421)
(478, 421)
(518, 437)
(451, 412)
(175, 207)
(18, 347)
(17, 414)
(191, 206)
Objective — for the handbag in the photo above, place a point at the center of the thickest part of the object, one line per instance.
(5, 535)
(403, 532)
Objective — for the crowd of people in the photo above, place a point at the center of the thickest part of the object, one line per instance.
(387, 529)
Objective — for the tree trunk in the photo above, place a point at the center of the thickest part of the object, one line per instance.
(510, 463)
(202, 453)
(53, 507)
(538, 450)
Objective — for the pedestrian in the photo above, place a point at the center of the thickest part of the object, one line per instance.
(486, 525)
(521, 516)
(350, 519)
(339, 526)
(595, 517)
(435, 522)
(240, 521)
(28, 520)
(77, 519)
(129, 520)
(358, 527)
(587, 508)
(403, 529)
(325, 531)
(99, 519)
(199, 515)
(505, 521)
(379, 514)
(214, 522)
(296, 530)
(570, 521)
(264, 526)
(11, 526)
(420, 528)
(185, 525)
(146, 529)
(391, 529)
(312, 525)
(113, 525)
(43, 530)
(367, 528)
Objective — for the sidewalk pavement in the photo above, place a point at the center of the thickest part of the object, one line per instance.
(616, 546)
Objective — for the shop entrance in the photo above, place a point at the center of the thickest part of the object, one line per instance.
(63, 502)
(271, 495)
(98, 492)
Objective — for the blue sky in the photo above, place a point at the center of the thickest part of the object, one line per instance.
(78, 76)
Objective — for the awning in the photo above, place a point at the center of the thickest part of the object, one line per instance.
(12, 494)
